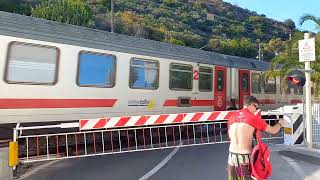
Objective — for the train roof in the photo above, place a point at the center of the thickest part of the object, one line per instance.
(45, 30)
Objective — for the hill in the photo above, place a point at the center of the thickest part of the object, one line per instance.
(212, 25)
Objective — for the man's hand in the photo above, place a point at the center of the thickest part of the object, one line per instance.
(282, 122)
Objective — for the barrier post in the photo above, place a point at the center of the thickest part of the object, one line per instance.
(294, 128)
(13, 149)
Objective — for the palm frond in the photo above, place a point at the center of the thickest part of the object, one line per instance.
(307, 17)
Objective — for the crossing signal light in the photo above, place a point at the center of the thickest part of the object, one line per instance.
(296, 79)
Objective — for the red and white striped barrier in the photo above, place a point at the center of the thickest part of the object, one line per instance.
(129, 121)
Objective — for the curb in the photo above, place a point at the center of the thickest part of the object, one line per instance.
(301, 149)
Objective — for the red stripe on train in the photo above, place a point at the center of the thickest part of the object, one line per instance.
(296, 101)
(174, 102)
(55, 103)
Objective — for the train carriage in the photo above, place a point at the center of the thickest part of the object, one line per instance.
(52, 71)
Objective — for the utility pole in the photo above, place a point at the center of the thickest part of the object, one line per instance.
(112, 15)
(259, 51)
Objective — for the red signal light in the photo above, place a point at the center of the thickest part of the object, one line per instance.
(297, 80)
(294, 80)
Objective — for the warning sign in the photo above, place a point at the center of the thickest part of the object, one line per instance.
(307, 50)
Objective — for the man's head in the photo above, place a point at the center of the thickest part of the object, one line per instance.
(251, 103)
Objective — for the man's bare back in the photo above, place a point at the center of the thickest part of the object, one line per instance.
(241, 136)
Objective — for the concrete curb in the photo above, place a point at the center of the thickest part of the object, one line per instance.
(301, 149)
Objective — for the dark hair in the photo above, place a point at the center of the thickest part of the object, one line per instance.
(250, 100)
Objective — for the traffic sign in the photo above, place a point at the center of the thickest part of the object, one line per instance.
(307, 50)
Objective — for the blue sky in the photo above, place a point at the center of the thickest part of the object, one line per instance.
(283, 9)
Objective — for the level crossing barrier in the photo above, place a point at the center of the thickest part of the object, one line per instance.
(186, 129)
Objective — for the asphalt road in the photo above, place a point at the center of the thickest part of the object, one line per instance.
(187, 163)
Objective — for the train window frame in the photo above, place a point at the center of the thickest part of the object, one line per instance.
(8, 55)
(170, 75)
(265, 84)
(113, 81)
(146, 60)
(223, 80)
(259, 83)
(248, 83)
(211, 82)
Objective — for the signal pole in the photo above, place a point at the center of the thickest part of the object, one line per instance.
(308, 98)
(307, 53)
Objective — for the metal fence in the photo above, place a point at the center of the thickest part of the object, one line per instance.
(316, 121)
(42, 147)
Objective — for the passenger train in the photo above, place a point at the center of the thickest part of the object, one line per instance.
(52, 71)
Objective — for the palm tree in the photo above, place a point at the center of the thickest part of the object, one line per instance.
(287, 61)
(307, 17)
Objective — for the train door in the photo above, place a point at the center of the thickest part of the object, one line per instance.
(244, 86)
(220, 89)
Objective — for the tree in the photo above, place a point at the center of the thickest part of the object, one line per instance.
(175, 41)
(288, 60)
(236, 30)
(307, 17)
(15, 6)
(75, 12)
(290, 24)
(236, 47)
(273, 48)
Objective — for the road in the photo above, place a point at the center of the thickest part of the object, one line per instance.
(186, 163)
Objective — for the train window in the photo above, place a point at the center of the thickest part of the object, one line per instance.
(96, 70)
(256, 83)
(245, 82)
(205, 79)
(144, 74)
(181, 77)
(301, 91)
(270, 85)
(220, 80)
(298, 91)
(32, 64)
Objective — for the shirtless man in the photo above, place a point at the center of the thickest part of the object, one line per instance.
(241, 136)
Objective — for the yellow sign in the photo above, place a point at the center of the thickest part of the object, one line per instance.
(287, 130)
(13, 154)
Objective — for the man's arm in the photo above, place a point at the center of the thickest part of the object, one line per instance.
(274, 129)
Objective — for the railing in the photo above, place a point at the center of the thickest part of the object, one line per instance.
(316, 121)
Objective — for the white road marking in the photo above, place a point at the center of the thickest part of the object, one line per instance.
(160, 165)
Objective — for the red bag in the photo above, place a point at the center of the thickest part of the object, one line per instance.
(260, 160)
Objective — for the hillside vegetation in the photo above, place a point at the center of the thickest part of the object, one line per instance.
(212, 25)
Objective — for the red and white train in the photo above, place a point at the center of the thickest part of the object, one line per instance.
(55, 72)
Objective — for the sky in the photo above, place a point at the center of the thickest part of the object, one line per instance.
(283, 9)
